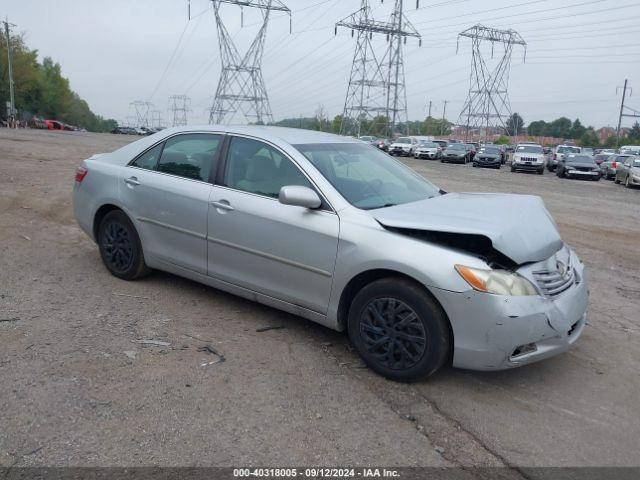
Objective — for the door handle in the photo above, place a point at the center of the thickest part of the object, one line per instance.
(222, 204)
(133, 181)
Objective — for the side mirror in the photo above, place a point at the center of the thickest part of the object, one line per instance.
(299, 196)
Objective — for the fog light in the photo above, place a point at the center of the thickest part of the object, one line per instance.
(524, 349)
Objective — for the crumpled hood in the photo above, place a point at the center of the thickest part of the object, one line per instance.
(519, 226)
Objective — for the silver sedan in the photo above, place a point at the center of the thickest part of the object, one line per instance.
(336, 231)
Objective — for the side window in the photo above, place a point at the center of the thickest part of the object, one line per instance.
(255, 167)
(149, 159)
(190, 155)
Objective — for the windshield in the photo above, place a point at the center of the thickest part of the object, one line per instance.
(568, 150)
(366, 177)
(580, 159)
(403, 140)
(529, 149)
(492, 150)
(602, 157)
(456, 146)
(367, 139)
(426, 144)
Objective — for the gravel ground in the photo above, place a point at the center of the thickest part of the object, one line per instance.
(77, 391)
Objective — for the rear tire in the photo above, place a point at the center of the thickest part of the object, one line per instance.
(399, 330)
(513, 169)
(120, 247)
(616, 181)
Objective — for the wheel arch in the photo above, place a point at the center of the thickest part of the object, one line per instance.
(100, 214)
(363, 279)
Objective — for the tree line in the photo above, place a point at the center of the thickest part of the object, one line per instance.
(41, 90)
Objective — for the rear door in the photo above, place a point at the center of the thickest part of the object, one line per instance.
(256, 242)
(167, 190)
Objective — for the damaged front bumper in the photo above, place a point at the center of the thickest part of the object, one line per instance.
(495, 332)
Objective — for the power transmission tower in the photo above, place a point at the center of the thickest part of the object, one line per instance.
(376, 91)
(11, 106)
(487, 105)
(156, 121)
(635, 114)
(241, 87)
(141, 112)
(179, 106)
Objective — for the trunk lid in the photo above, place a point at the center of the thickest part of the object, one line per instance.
(519, 226)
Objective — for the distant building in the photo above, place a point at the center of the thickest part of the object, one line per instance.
(606, 132)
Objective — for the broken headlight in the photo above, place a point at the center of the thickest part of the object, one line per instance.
(499, 282)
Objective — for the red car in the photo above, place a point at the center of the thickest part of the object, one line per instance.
(54, 125)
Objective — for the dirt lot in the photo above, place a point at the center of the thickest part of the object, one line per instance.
(75, 390)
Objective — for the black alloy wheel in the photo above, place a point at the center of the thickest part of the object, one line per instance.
(120, 247)
(392, 333)
(399, 330)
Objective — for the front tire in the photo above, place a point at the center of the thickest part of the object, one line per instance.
(120, 247)
(399, 330)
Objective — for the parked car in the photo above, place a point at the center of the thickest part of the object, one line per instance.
(558, 155)
(471, 148)
(528, 157)
(628, 173)
(368, 139)
(630, 150)
(601, 157)
(54, 125)
(587, 151)
(383, 144)
(442, 144)
(427, 149)
(337, 232)
(488, 156)
(609, 168)
(124, 131)
(456, 153)
(577, 165)
(403, 146)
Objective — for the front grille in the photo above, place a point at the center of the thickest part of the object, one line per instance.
(553, 283)
(584, 169)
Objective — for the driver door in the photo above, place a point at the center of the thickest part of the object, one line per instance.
(254, 241)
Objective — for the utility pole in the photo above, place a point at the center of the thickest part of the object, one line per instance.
(635, 114)
(11, 113)
(376, 85)
(430, 103)
(444, 112)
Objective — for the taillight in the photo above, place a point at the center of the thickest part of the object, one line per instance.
(614, 165)
(81, 172)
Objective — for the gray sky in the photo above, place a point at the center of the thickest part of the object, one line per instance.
(115, 52)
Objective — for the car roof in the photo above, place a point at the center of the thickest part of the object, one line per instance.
(292, 136)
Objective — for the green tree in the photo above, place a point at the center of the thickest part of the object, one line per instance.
(40, 89)
(560, 128)
(577, 129)
(436, 126)
(502, 140)
(634, 133)
(538, 128)
(589, 138)
(611, 142)
(514, 125)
